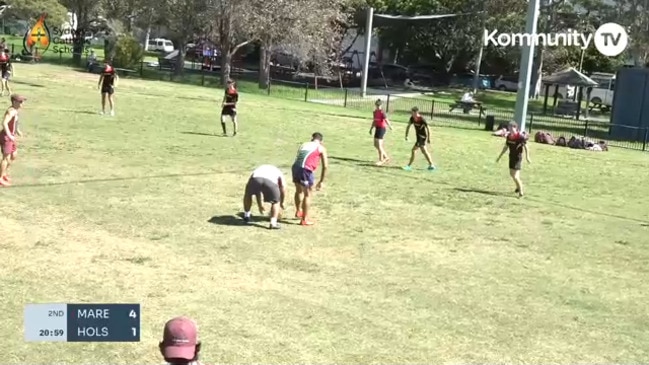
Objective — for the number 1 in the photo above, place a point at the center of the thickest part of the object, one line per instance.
(132, 314)
(134, 331)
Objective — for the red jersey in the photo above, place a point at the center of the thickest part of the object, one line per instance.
(12, 126)
(380, 119)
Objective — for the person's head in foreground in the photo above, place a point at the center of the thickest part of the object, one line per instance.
(414, 111)
(180, 344)
(316, 137)
(230, 84)
(378, 103)
(17, 101)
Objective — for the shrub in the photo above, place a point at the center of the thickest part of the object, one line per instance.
(128, 52)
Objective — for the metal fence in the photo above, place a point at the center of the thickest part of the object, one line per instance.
(437, 110)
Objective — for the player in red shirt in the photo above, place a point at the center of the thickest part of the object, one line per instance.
(8, 137)
(6, 69)
(107, 84)
(516, 143)
(380, 123)
(229, 107)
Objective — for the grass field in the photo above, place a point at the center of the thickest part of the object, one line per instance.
(402, 267)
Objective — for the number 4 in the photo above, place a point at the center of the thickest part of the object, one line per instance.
(132, 314)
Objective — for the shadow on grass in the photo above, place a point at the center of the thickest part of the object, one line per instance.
(117, 179)
(348, 159)
(237, 220)
(482, 191)
(26, 83)
(203, 134)
(370, 164)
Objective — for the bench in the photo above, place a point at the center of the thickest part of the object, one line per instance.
(566, 108)
(467, 106)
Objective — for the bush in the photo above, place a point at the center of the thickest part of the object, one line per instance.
(128, 52)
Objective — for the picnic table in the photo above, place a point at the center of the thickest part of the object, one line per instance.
(467, 106)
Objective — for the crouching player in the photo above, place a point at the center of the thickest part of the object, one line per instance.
(266, 180)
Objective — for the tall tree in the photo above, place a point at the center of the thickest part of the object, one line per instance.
(309, 30)
(31, 9)
(86, 11)
(184, 19)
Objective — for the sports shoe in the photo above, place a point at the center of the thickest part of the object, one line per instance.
(432, 168)
(234, 134)
(4, 182)
(274, 226)
(112, 113)
(101, 113)
(517, 191)
(247, 219)
(305, 222)
(407, 168)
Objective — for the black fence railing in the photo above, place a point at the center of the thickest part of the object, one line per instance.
(438, 110)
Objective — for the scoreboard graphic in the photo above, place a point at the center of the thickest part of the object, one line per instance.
(82, 322)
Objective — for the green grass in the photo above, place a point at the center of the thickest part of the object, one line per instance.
(402, 267)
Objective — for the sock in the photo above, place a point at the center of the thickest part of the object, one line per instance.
(224, 130)
(273, 221)
(246, 214)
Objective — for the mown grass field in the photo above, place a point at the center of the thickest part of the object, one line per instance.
(402, 267)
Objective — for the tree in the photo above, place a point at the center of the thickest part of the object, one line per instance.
(86, 11)
(309, 30)
(184, 19)
(231, 29)
(32, 9)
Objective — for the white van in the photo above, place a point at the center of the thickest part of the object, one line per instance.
(602, 95)
(161, 44)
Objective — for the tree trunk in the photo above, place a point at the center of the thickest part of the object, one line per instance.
(537, 73)
(179, 68)
(264, 66)
(79, 42)
(226, 66)
(147, 37)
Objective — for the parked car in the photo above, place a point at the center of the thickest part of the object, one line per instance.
(506, 83)
(161, 45)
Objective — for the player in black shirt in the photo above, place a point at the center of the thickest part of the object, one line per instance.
(229, 107)
(516, 143)
(107, 83)
(423, 138)
(6, 69)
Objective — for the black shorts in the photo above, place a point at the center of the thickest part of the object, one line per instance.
(421, 142)
(515, 162)
(379, 133)
(6, 75)
(268, 188)
(229, 110)
(107, 90)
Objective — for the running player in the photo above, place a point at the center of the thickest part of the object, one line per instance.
(107, 84)
(309, 156)
(379, 125)
(266, 180)
(8, 138)
(423, 138)
(516, 143)
(229, 107)
(6, 69)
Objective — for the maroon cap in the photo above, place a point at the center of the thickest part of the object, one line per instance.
(180, 338)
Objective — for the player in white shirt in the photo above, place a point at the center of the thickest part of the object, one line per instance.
(266, 180)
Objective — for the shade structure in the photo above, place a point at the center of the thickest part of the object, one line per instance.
(569, 76)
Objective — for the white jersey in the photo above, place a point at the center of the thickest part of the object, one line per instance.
(271, 173)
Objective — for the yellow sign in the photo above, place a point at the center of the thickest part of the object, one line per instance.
(38, 36)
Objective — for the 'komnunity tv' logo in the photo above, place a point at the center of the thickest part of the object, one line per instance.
(610, 39)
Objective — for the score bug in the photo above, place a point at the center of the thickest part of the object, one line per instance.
(51, 332)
